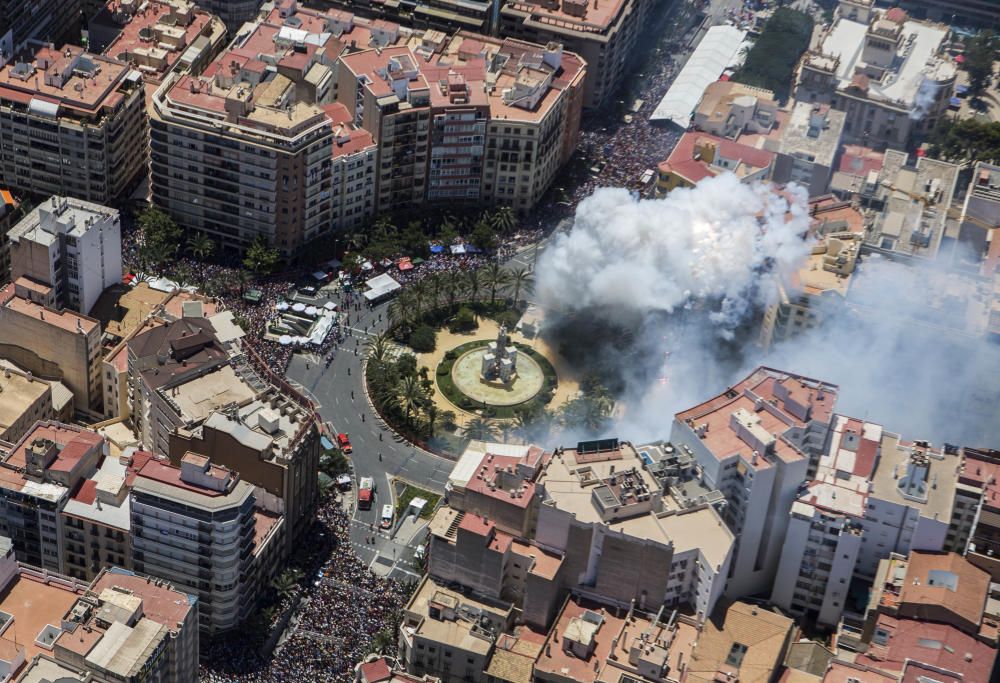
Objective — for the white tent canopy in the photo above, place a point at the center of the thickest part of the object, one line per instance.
(717, 50)
(380, 286)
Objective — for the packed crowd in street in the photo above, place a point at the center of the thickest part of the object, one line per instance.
(342, 608)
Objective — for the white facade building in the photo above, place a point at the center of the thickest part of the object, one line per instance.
(873, 495)
(754, 443)
(194, 526)
(71, 245)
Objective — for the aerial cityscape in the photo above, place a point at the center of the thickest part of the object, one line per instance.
(499, 341)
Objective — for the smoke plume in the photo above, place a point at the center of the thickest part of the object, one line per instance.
(686, 278)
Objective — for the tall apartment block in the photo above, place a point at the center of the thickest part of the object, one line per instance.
(192, 390)
(465, 119)
(754, 443)
(70, 245)
(194, 526)
(246, 150)
(873, 494)
(44, 20)
(52, 343)
(234, 13)
(72, 124)
(604, 33)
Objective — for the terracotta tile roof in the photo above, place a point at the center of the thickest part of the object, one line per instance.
(763, 634)
(967, 598)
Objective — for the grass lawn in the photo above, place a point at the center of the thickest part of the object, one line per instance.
(409, 493)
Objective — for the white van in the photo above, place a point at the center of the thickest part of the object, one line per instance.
(386, 516)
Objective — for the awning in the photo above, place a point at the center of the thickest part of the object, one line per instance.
(458, 248)
(437, 249)
(253, 296)
(320, 276)
(380, 286)
(405, 263)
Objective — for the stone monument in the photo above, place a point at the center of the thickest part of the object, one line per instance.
(500, 360)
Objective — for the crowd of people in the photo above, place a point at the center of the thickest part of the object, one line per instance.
(342, 609)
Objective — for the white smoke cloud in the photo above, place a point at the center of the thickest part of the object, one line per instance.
(709, 243)
(689, 276)
(924, 99)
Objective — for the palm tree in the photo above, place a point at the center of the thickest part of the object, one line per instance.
(357, 240)
(285, 582)
(411, 396)
(496, 277)
(419, 294)
(243, 280)
(503, 220)
(200, 246)
(381, 641)
(378, 347)
(506, 428)
(521, 279)
(452, 286)
(472, 280)
(436, 286)
(480, 429)
(384, 227)
(401, 311)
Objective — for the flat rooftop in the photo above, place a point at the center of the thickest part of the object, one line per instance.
(458, 632)
(846, 40)
(17, 395)
(198, 398)
(34, 605)
(767, 403)
(929, 487)
(162, 31)
(65, 320)
(84, 503)
(818, 143)
(60, 216)
(69, 77)
(590, 16)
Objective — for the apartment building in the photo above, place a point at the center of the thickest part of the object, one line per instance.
(481, 16)
(52, 344)
(159, 37)
(873, 495)
(956, 12)
(888, 73)
(273, 441)
(26, 399)
(465, 119)
(8, 209)
(71, 245)
(742, 642)
(980, 509)
(39, 472)
(121, 627)
(609, 521)
(194, 525)
(980, 218)
(96, 517)
(603, 34)
(448, 634)
(72, 124)
(931, 608)
(589, 642)
(49, 20)
(754, 443)
(810, 140)
(820, 286)
(246, 150)
(355, 162)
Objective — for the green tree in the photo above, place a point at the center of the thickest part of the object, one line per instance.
(480, 429)
(772, 60)
(980, 52)
(484, 235)
(472, 283)
(503, 220)
(284, 584)
(495, 277)
(423, 339)
(378, 347)
(260, 258)
(464, 320)
(411, 396)
(520, 280)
